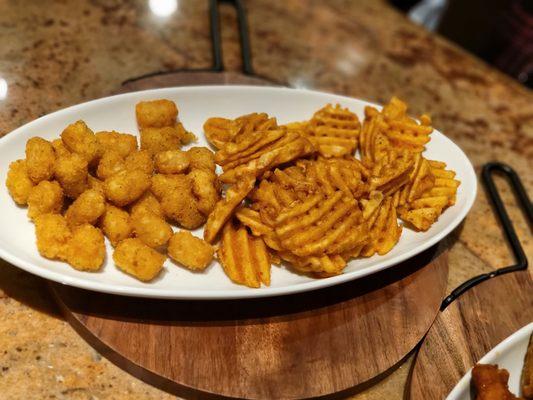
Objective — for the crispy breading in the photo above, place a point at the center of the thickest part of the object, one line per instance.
(190, 251)
(205, 188)
(126, 186)
(147, 202)
(153, 230)
(59, 148)
(86, 209)
(40, 159)
(52, 234)
(156, 113)
(85, 250)
(172, 162)
(122, 143)
(116, 224)
(141, 160)
(201, 158)
(110, 163)
(491, 383)
(78, 138)
(18, 182)
(45, 198)
(71, 171)
(137, 259)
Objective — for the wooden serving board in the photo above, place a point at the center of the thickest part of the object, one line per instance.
(467, 329)
(335, 340)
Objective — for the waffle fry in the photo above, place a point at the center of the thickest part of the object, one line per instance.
(384, 229)
(220, 131)
(334, 131)
(425, 210)
(224, 208)
(244, 258)
(391, 172)
(260, 152)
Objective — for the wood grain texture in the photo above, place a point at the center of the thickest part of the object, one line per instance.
(297, 346)
(467, 329)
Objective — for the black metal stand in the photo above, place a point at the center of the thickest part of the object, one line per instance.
(510, 233)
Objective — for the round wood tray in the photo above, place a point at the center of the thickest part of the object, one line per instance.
(306, 345)
(467, 329)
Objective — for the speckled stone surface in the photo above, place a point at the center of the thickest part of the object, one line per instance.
(55, 54)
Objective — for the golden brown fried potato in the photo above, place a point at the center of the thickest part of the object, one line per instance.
(59, 148)
(18, 182)
(71, 173)
(137, 259)
(225, 207)
(95, 183)
(156, 140)
(172, 162)
(116, 224)
(163, 184)
(156, 113)
(122, 143)
(85, 250)
(153, 230)
(126, 186)
(40, 159)
(141, 160)
(202, 158)
(45, 198)
(78, 138)
(245, 258)
(182, 207)
(52, 233)
(86, 209)
(110, 163)
(205, 189)
(491, 383)
(190, 251)
(147, 203)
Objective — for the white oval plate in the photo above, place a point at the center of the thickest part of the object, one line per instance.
(508, 354)
(196, 104)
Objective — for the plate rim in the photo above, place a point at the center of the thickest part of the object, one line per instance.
(222, 294)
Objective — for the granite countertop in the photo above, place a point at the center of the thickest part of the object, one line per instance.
(55, 54)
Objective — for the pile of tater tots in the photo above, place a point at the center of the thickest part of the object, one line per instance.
(85, 185)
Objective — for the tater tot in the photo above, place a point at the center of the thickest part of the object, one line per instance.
(156, 113)
(126, 186)
(147, 203)
(110, 163)
(163, 183)
(45, 198)
(137, 259)
(40, 159)
(86, 209)
(190, 251)
(141, 160)
(79, 139)
(181, 207)
(205, 189)
(172, 162)
(59, 148)
(95, 183)
(202, 158)
(18, 182)
(156, 140)
(185, 136)
(85, 250)
(71, 173)
(116, 224)
(123, 143)
(153, 230)
(52, 234)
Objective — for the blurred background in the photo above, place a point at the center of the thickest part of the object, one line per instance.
(498, 31)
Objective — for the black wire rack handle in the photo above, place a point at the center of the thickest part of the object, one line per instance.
(216, 39)
(510, 233)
